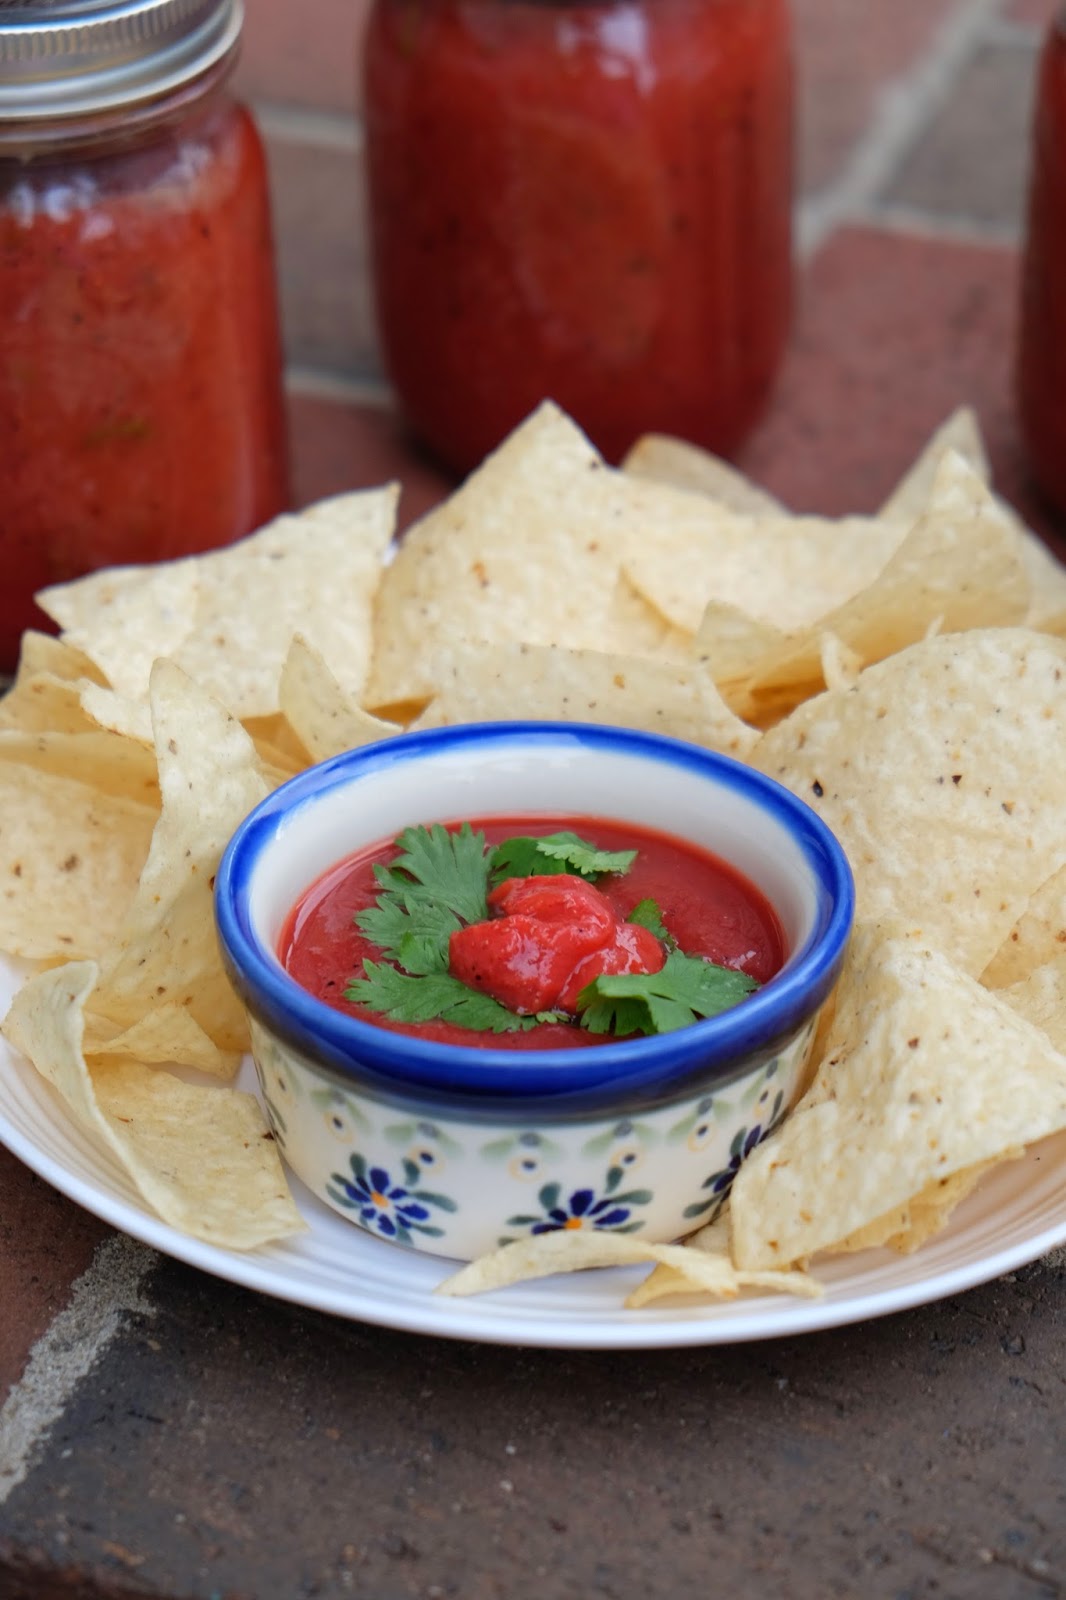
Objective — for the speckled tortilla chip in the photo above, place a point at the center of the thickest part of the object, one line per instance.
(323, 716)
(202, 1157)
(483, 682)
(165, 1034)
(70, 857)
(1046, 575)
(523, 550)
(228, 617)
(1038, 936)
(105, 761)
(784, 571)
(694, 1271)
(961, 433)
(958, 568)
(937, 775)
(685, 466)
(1041, 999)
(532, 546)
(926, 1075)
(166, 949)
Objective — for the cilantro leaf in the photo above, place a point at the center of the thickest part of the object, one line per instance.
(411, 931)
(649, 914)
(687, 989)
(447, 865)
(434, 997)
(523, 857)
(437, 883)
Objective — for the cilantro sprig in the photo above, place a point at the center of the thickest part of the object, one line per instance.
(524, 857)
(435, 885)
(686, 990)
(439, 882)
(433, 997)
(648, 914)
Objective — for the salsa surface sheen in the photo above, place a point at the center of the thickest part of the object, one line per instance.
(709, 907)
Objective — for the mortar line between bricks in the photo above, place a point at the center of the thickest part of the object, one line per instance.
(1025, 34)
(951, 228)
(905, 109)
(107, 1291)
(317, 384)
(325, 130)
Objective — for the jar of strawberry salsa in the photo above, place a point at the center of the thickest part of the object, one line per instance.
(587, 200)
(1042, 350)
(140, 376)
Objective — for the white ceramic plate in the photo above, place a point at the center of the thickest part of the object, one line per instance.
(1016, 1215)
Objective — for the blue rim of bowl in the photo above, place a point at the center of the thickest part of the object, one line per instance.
(354, 1048)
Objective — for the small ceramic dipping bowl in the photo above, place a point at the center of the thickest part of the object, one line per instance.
(453, 1150)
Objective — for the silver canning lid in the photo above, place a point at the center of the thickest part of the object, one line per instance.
(71, 57)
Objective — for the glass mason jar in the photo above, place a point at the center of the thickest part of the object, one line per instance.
(1042, 346)
(141, 412)
(582, 199)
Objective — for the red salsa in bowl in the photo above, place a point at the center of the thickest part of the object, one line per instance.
(625, 901)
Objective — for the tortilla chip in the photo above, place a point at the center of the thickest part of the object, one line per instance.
(1041, 999)
(43, 702)
(524, 549)
(961, 433)
(531, 547)
(839, 663)
(926, 1075)
(70, 856)
(1046, 575)
(907, 1227)
(1038, 937)
(483, 682)
(166, 1035)
(166, 950)
(203, 1158)
(563, 1251)
(686, 466)
(785, 571)
(104, 761)
(635, 628)
(709, 1265)
(227, 617)
(117, 713)
(325, 718)
(957, 569)
(933, 773)
(42, 652)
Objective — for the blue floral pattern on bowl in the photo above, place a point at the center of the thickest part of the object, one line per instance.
(383, 1205)
(458, 1188)
(610, 1212)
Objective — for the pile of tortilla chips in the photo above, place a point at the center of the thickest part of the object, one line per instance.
(903, 673)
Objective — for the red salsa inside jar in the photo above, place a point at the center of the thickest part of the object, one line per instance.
(140, 394)
(586, 202)
(545, 920)
(1042, 357)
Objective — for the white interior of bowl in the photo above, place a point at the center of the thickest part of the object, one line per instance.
(486, 779)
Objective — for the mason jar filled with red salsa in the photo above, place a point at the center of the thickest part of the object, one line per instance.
(587, 200)
(1042, 352)
(140, 377)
